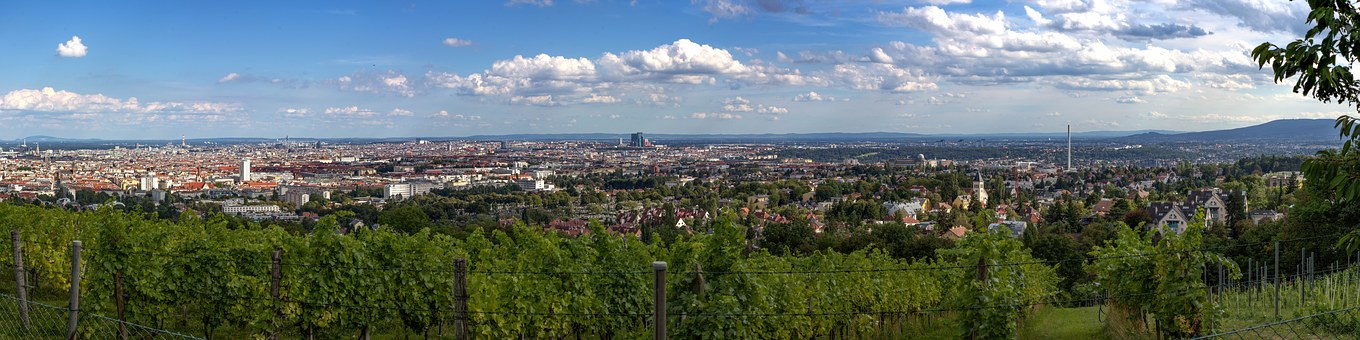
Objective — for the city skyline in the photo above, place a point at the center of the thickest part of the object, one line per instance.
(346, 69)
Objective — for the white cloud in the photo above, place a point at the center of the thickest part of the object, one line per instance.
(445, 114)
(540, 100)
(813, 96)
(595, 98)
(1226, 81)
(230, 77)
(50, 100)
(936, 20)
(1156, 84)
(722, 115)
(682, 61)
(544, 67)
(72, 48)
(392, 82)
(350, 112)
(456, 42)
(398, 112)
(63, 107)
(878, 56)
(882, 77)
(1257, 15)
(739, 104)
(579, 80)
(295, 112)
(1129, 100)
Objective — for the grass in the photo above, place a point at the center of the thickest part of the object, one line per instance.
(1063, 323)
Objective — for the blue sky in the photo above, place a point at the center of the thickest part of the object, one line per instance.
(440, 68)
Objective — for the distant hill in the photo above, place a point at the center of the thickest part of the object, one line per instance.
(47, 139)
(1318, 130)
(1311, 130)
(770, 137)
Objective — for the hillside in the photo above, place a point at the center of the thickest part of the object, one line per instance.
(1318, 130)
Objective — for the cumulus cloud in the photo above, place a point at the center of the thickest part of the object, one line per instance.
(595, 98)
(289, 112)
(883, 77)
(391, 82)
(878, 56)
(1129, 100)
(544, 67)
(65, 106)
(722, 116)
(683, 61)
(739, 104)
(1259, 15)
(936, 20)
(51, 100)
(445, 114)
(350, 111)
(1226, 81)
(398, 112)
(1159, 83)
(72, 48)
(546, 80)
(456, 42)
(813, 96)
(540, 100)
(230, 77)
(1071, 50)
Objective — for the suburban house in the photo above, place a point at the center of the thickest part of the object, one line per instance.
(1175, 215)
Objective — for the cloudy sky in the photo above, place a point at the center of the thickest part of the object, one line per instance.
(457, 68)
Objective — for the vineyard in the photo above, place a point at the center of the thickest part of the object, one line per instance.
(198, 278)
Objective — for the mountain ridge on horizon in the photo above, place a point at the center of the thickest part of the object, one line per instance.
(1295, 129)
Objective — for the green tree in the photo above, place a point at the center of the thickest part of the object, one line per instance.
(1320, 64)
(407, 219)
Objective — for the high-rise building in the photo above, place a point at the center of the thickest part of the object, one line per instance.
(298, 197)
(409, 189)
(149, 182)
(638, 140)
(245, 169)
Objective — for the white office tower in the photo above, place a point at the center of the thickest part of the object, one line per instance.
(1069, 147)
(245, 169)
(149, 182)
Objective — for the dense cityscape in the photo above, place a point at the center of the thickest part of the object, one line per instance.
(290, 181)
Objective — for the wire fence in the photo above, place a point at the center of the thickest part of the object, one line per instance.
(1333, 324)
(44, 321)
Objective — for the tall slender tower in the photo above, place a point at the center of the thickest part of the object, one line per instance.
(183, 142)
(1069, 146)
(245, 169)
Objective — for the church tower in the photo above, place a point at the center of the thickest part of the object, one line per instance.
(979, 193)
